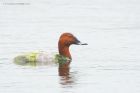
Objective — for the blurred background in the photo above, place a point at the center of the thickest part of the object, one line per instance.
(109, 64)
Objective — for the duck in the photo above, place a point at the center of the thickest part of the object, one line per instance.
(63, 58)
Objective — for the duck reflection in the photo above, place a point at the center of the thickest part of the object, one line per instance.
(66, 77)
(64, 69)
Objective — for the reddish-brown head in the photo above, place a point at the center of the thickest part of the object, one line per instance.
(65, 40)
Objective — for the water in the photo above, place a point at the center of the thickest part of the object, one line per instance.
(109, 64)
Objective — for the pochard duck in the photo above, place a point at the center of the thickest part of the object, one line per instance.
(63, 58)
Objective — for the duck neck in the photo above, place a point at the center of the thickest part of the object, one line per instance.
(64, 51)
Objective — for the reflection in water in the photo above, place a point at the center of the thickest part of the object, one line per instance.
(67, 78)
(63, 71)
(64, 68)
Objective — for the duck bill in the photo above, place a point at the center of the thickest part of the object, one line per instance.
(79, 43)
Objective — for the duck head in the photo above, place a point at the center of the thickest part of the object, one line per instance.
(65, 40)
